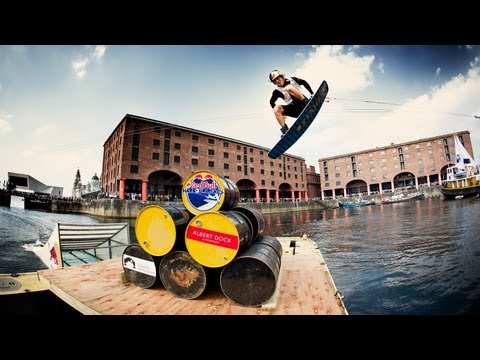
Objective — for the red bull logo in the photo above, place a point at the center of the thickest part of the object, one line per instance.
(202, 192)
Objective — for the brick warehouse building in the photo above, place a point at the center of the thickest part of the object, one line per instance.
(385, 169)
(149, 159)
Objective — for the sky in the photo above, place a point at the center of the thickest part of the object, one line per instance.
(60, 103)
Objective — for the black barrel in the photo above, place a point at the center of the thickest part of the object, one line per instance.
(256, 218)
(140, 267)
(204, 191)
(251, 278)
(182, 275)
(233, 197)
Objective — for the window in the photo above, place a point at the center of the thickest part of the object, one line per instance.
(155, 156)
(156, 142)
(226, 166)
(194, 161)
(211, 164)
(178, 133)
(211, 152)
(135, 154)
(194, 149)
(136, 139)
(134, 169)
(176, 159)
(225, 144)
(225, 155)
(211, 141)
(177, 146)
(195, 137)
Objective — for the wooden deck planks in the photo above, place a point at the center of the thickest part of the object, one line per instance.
(305, 287)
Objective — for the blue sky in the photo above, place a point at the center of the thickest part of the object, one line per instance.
(58, 104)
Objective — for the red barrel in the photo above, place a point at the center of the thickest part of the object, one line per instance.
(204, 191)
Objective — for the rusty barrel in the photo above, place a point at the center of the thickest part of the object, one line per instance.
(256, 218)
(251, 278)
(140, 267)
(182, 275)
(160, 229)
(204, 191)
(213, 239)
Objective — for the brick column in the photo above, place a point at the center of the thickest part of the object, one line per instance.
(121, 191)
(144, 190)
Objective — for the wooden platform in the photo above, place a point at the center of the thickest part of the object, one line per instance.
(305, 287)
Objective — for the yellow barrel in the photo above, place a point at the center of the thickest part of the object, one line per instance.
(204, 191)
(159, 229)
(214, 238)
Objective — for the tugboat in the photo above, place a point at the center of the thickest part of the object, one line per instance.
(463, 178)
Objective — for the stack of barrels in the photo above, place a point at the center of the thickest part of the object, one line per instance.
(207, 240)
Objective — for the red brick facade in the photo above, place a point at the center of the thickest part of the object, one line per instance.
(149, 158)
(411, 164)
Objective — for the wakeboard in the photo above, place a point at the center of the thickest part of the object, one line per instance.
(302, 123)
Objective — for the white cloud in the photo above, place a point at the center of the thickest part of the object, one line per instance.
(333, 63)
(80, 67)
(99, 52)
(44, 130)
(5, 126)
(381, 68)
(437, 72)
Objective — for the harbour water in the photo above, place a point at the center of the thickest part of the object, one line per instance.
(416, 258)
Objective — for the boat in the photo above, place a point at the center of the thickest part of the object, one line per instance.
(352, 204)
(463, 178)
(401, 197)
